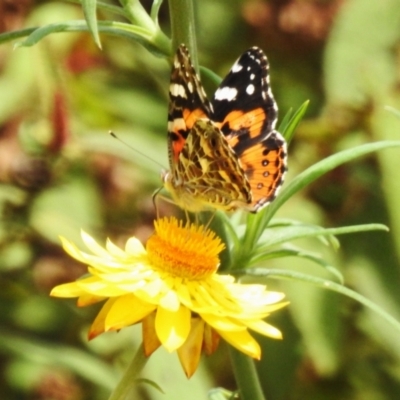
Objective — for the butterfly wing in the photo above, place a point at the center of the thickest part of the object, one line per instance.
(246, 113)
(187, 103)
(211, 171)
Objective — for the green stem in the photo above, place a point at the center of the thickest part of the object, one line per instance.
(137, 15)
(128, 381)
(246, 376)
(183, 27)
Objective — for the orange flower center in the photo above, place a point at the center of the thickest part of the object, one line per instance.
(187, 251)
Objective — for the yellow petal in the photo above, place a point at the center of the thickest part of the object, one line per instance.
(244, 342)
(201, 294)
(134, 247)
(223, 323)
(222, 296)
(114, 250)
(98, 287)
(93, 246)
(67, 290)
(151, 342)
(151, 290)
(88, 299)
(125, 311)
(264, 329)
(98, 324)
(172, 327)
(72, 250)
(189, 353)
(211, 340)
(184, 295)
(170, 301)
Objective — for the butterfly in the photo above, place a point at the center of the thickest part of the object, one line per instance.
(225, 153)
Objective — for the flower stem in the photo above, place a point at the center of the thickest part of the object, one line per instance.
(137, 15)
(246, 376)
(183, 27)
(128, 381)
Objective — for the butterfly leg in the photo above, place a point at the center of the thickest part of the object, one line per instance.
(154, 197)
(187, 216)
(210, 220)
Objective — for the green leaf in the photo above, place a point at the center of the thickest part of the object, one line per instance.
(222, 394)
(275, 236)
(355, 55)
(296, 252)
(324, 284)
(287, 222)
(157, 43)
(39, 33)
(89, 10)
(65, 209)
(285, 120)
(44, 353)
(155, 8)
(210, 75)
(317, 170)
(151, 383)
(8, 36)
(289, 124)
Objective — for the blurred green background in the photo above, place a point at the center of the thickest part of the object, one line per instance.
(60, 171)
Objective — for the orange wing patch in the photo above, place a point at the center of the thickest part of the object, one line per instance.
(264, 165)
(191, 116)
(237, 121)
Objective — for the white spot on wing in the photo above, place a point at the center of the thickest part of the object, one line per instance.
(237, 67)
(250, 89)
(226, 93)
(176, 124)
(252, 76)
(177, 90)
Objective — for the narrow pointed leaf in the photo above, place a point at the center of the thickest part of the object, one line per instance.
(285, 120)
(155, 8)
(294, 252)
(89, 10)
(210, 75)
(277, 236)
(287, 128)
(322, 167)
(158, 45)
(325, 284)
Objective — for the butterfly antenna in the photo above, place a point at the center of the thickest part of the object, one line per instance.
(136, 150)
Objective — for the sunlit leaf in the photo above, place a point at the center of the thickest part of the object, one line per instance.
(155, 8)
(325, 284)
(44, 353)
(322, 167)
(275, 236)
(296, 252)
(157, 44)
(288, 125)
(89, 10)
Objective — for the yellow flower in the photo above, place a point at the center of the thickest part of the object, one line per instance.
(172, 288)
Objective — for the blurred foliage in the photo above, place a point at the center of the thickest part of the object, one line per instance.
(60, 171)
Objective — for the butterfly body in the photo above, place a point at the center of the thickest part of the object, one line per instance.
(224, 154)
